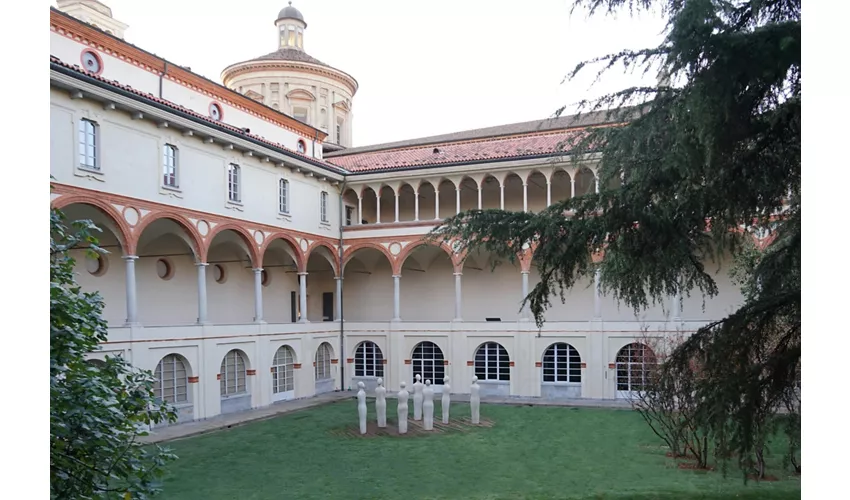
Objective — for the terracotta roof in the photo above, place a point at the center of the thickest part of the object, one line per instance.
(289, 54)
(540, 144)
(182, 109)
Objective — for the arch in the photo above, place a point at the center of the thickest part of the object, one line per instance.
(172, 379)
(195, 240)
(426, 192)
(410, 248)
(492, 362)
(121, 230)
(296, 254)
(97, 363)
(537, 183)
(491, 193)
(427, 360)
(468, 195)
(251, 245)
(406, 202)
(561, 363)
(301, 94)
(634, 364)
(283, 372)
(447, 197)
(324, 355)
(233, 373)
(368, 360)
(333, 252)
(349, 253)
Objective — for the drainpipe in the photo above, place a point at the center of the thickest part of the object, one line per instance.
(342, 353)
(316, 138)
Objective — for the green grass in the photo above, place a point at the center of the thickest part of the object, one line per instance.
(530, 453)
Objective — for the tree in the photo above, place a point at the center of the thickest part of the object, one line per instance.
(708, 154)
(96, 412)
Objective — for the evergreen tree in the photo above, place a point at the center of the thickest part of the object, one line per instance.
(711, 152)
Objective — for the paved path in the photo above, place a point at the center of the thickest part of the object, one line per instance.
(189, 429)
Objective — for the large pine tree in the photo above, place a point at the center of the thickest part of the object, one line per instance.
(711, 152)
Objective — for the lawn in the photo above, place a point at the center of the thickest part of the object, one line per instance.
(529, 453)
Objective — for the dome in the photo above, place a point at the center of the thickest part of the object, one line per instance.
(290, 12)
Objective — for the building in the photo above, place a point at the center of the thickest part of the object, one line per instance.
(256, 257)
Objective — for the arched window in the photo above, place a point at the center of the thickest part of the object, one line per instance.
(368, 360)
(561, 363)
(323, 361)
(301, 146)
(634, 363)
(492, 362)
(233, 374)
(428, 362)
(172, 380)
(283, 196)
(283, 370)
(97, 363)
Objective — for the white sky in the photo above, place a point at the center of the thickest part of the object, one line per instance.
(424, 67)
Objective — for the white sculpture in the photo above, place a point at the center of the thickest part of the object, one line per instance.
(417, 398)
(361, 406)
(447, 399)
(428, 407)
(381, 403)
(402, 409)
(475, 401)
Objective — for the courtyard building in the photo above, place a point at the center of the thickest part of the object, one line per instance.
(255, 256)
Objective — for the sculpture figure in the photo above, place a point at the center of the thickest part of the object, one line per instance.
(402, 409)
(381, 403)
(447, 399)
(428, 407)
(417, 397)
(475, 401)
(361, 406)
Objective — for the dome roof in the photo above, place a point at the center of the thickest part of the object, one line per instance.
(290, 12)
(289, 54)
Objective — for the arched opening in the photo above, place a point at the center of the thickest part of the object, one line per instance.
(585, 182)
(323, 368)
(369, 202)
(427, 284)
(488, 293)
(491, 193)
(493, 369)
(561, 186)
(428, 362)
(350, 210)
(283, 374)
(448, 198)
(427, 201)
(635, 363)
(468, 194)
(387, 204)
(280, 282)
(537, 192)
(368, 364)
(513, 193)
(231, 300)
(321, 287)
(104, 273)
(166, 275)
(561, 372)
(172, 385)
(233, 382)
(406, 203)
(368, 286)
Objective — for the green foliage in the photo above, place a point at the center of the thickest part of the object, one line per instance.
(96, 412)
(712, 151)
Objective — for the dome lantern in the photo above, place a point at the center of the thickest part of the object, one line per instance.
(291, 25)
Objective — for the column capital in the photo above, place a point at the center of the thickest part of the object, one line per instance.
(396, 276)
(340, 278)
(202, 264)
(129, 258)
(257, 269)
(525, 272)
(457, 274)
(299, 273)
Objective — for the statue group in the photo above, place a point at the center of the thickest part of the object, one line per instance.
(423, 403)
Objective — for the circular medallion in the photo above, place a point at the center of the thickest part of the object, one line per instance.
(131, 215)
(304, 245)
(91, 62)
(203, 227)
(259, 237)
(215, 111)
(395, 248)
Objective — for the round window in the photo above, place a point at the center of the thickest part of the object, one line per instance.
(219, 274)
(164, 269)
(91, 62)
(215, 111)
(96, 265)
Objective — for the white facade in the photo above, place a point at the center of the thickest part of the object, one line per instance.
(193, 273)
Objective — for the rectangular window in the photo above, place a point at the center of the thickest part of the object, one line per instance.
(234, 183)
(283, 196)
(338, 133)
(328, 306)
(324, 206)
(349, 215)
(169, 166)
(88, 145)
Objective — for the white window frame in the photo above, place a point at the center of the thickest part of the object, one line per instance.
(234, 183)
(428, 362)
(368, 360)
(283, 370)
(172, 373)
(492, 363)
(83, 138)
(633, 364)
(323, 362)
(233, 368)
(174, 167)
(323, 207)
(561, 364)
(283, 196)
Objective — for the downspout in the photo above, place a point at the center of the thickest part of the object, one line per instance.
(161, 76)
(341, 285)
(316, 138)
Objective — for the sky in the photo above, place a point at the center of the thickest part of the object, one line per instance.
(424, 67)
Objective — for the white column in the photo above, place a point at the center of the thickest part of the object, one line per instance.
(338, 298)
(524, 197)
(396, 207)
(596, 182)
(396, 297)
(359, 209)
(480, 205)
(502, 196)
(416, 205)
(302, 289)
(458, 199)
(258, 295)
(597, 300)
(458, 313)
(524, 312)
(677, 306)
(132, 312)
(202, 292)
(572, 187)
(548, 192)
(436, 203)
(378, 208)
